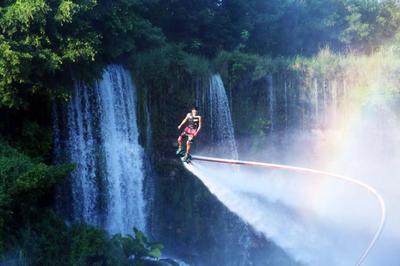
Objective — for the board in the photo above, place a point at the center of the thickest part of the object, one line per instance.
(181, 154)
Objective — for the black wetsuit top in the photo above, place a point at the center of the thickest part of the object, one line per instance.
(193, 122)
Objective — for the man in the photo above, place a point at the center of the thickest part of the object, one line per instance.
(191, 130)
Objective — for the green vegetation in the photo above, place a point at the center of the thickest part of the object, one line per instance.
(171, 46)
(32, 234)
(153, 68)
(24, 184)
(283, 27)
(43, 42)
(237, 66)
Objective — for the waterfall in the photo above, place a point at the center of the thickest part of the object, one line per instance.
(82, 152)
(271, 102)
(151, 175)
(149, 131)
(315, 102)
(212, 99)
(101, 138)
(334, 98)
(218, 120)
(286, 104)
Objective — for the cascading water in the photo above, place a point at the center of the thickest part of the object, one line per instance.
(82, 152)
(215, 106)
(283, 207)
(315, 101)
(307, 104)
(271, 102)
(286, 104)
(101, 138)
(218, 128)
(151, 175)
(334, 99)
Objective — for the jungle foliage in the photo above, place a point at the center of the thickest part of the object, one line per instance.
(32, 234)
(43, 42)
(169, 45)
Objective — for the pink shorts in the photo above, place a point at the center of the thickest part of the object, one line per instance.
(189, 131)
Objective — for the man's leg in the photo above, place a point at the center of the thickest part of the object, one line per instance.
(180, 138)
(188, 144)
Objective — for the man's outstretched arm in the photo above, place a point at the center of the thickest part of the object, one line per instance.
(183, 122)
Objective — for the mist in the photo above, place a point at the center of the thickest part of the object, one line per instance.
(319, 220)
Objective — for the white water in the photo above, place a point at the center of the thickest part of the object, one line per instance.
(319, 221)
(316, 220)
(81, 149)
(123, 153)
(102, 140)
(277, 206)
(315, 101)
(286, 104)
(271, 101)
(218, 132)
(217, 119)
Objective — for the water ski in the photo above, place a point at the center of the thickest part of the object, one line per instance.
(181, 154)
(188, 158)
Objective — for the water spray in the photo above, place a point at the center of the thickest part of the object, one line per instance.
(353, 181)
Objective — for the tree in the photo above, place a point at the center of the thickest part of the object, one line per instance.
(43, 42)
(23, 184)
